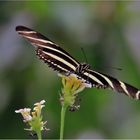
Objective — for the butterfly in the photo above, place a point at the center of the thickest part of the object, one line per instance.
(62, 62)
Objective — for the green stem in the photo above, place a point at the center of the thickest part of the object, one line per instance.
(63, 112)
(39, 135)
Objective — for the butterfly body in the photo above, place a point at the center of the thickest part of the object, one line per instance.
(62, 62)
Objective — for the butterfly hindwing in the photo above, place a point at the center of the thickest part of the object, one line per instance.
(100, 80)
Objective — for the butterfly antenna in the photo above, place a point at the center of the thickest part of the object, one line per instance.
(85, 59)
(84, 55)
(116, 68)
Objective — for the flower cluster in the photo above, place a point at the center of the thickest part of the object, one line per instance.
(71, 87)
(34, 118)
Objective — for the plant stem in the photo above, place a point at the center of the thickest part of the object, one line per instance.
(63, 112)
(39, 135)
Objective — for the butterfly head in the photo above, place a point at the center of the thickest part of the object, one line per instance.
(82, 67)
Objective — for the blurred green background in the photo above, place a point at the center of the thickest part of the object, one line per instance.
(109, 33)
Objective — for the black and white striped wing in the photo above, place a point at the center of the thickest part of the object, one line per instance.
(99, 80)
(64, 63)
(49, 52)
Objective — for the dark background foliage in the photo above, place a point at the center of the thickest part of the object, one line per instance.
(109, 33)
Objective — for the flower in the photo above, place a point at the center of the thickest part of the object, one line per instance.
(40, 103)
(34, 118)
(72, 85)
(38, 107)
(25, 113)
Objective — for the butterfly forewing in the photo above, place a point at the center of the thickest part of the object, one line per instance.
(51, 53)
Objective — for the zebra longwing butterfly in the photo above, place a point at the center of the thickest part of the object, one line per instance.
(62, 62)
